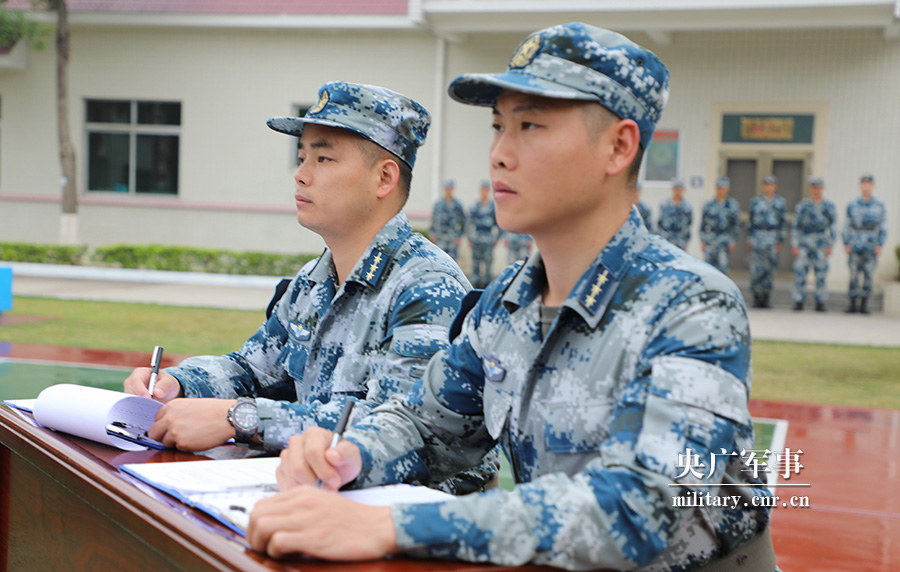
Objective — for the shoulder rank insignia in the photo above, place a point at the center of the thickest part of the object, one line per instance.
(299, 331)
(593, 295)
(374, 266)
(493, 371)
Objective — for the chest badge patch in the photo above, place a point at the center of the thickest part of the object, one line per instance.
(299, 331)
(493, 371)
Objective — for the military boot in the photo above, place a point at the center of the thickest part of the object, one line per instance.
(852, 308)
(798, 306)
(820, 307)
(864, 306)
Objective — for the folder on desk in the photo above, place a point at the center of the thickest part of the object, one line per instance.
(228, 489)
(87, 412)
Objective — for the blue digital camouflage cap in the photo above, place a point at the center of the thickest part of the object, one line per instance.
(677, 184)
(579, 62)
(816, 182)
(385, 117)
(770, 180)
(449, 184)
(723, 182)
(867, 178)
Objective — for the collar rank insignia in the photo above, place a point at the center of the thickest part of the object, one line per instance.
(594, 294)
(493, 371)
(299, 331)
(374, 266)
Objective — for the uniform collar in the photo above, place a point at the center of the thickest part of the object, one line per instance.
(594, 289)
(369, 269)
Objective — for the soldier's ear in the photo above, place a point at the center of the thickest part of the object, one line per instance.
(388, 172)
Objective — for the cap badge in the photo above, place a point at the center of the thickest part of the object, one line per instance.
(526, 52)
(323, 101)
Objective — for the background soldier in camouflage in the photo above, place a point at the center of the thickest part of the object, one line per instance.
(865, 230)
(812, 237)
(483, 235)
(518, 246)
(765, 235)
(719, 226)
(595, 364)
(448, 221)
(675, 218)
(358, 323)
(643, 209)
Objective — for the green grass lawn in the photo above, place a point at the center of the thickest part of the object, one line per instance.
(839, 375)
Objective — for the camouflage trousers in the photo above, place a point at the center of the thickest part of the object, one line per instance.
(448, 245)
(718, 255)
(762, 260)
(862, 268)
(807, 258)
(482, 260)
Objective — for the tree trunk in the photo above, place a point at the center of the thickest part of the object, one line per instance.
(68, 182)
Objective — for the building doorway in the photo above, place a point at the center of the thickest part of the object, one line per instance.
(746, 172)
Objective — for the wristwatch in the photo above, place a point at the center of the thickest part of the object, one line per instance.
(245, 419)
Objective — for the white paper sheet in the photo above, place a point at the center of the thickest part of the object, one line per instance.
(86, 411)
(229, 489)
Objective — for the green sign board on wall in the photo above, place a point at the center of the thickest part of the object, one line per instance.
(767, 128)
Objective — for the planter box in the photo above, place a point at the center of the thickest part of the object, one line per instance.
(892, 298)
(14, 58)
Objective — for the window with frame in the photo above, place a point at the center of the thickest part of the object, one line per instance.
(132, 146)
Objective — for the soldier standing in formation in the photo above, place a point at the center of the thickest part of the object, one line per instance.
(483, 235)
(643, 209)
(719, 226)
(448, 221)
(765, 235)
(812, 237)
(865, 230)
(675, 217)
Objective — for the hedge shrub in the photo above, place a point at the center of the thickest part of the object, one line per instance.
(155, 257)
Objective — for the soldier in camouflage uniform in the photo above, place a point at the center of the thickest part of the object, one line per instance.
(719, 226)
(675, 217)
(643, 209)
(865, 230)
(812, 237)
(765, 235)
(448, 221)
(483, 235)
(594, 385)
(356, 323)
(518, 246)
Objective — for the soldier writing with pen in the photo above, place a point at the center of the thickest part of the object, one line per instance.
(595, 363)
(358, 323)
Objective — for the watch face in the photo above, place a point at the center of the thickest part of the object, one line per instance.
(245, 416)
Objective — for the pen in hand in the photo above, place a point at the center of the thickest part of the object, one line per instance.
(339, 428)
(154, 367)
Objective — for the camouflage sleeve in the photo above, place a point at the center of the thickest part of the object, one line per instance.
(418, 326)
(690, 390)
(847, 231)
(782, 221)
(832, 222)
(706, 233)
(735, 222)
(795, 236)
(689, 221)
(882, 226)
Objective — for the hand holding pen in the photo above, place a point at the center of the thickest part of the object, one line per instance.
(320, 457)
(155, 360)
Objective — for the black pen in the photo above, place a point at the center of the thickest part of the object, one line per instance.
(339, 428)
(154, 367)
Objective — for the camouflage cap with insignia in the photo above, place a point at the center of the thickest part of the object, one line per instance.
(770, 180)
(579, 62)
(867, 178)
(385, 117)
(723, 182)
(816, 182)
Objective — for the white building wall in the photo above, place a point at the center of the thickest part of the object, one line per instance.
(236, 174)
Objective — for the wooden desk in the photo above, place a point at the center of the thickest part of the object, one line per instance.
(64, 505)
